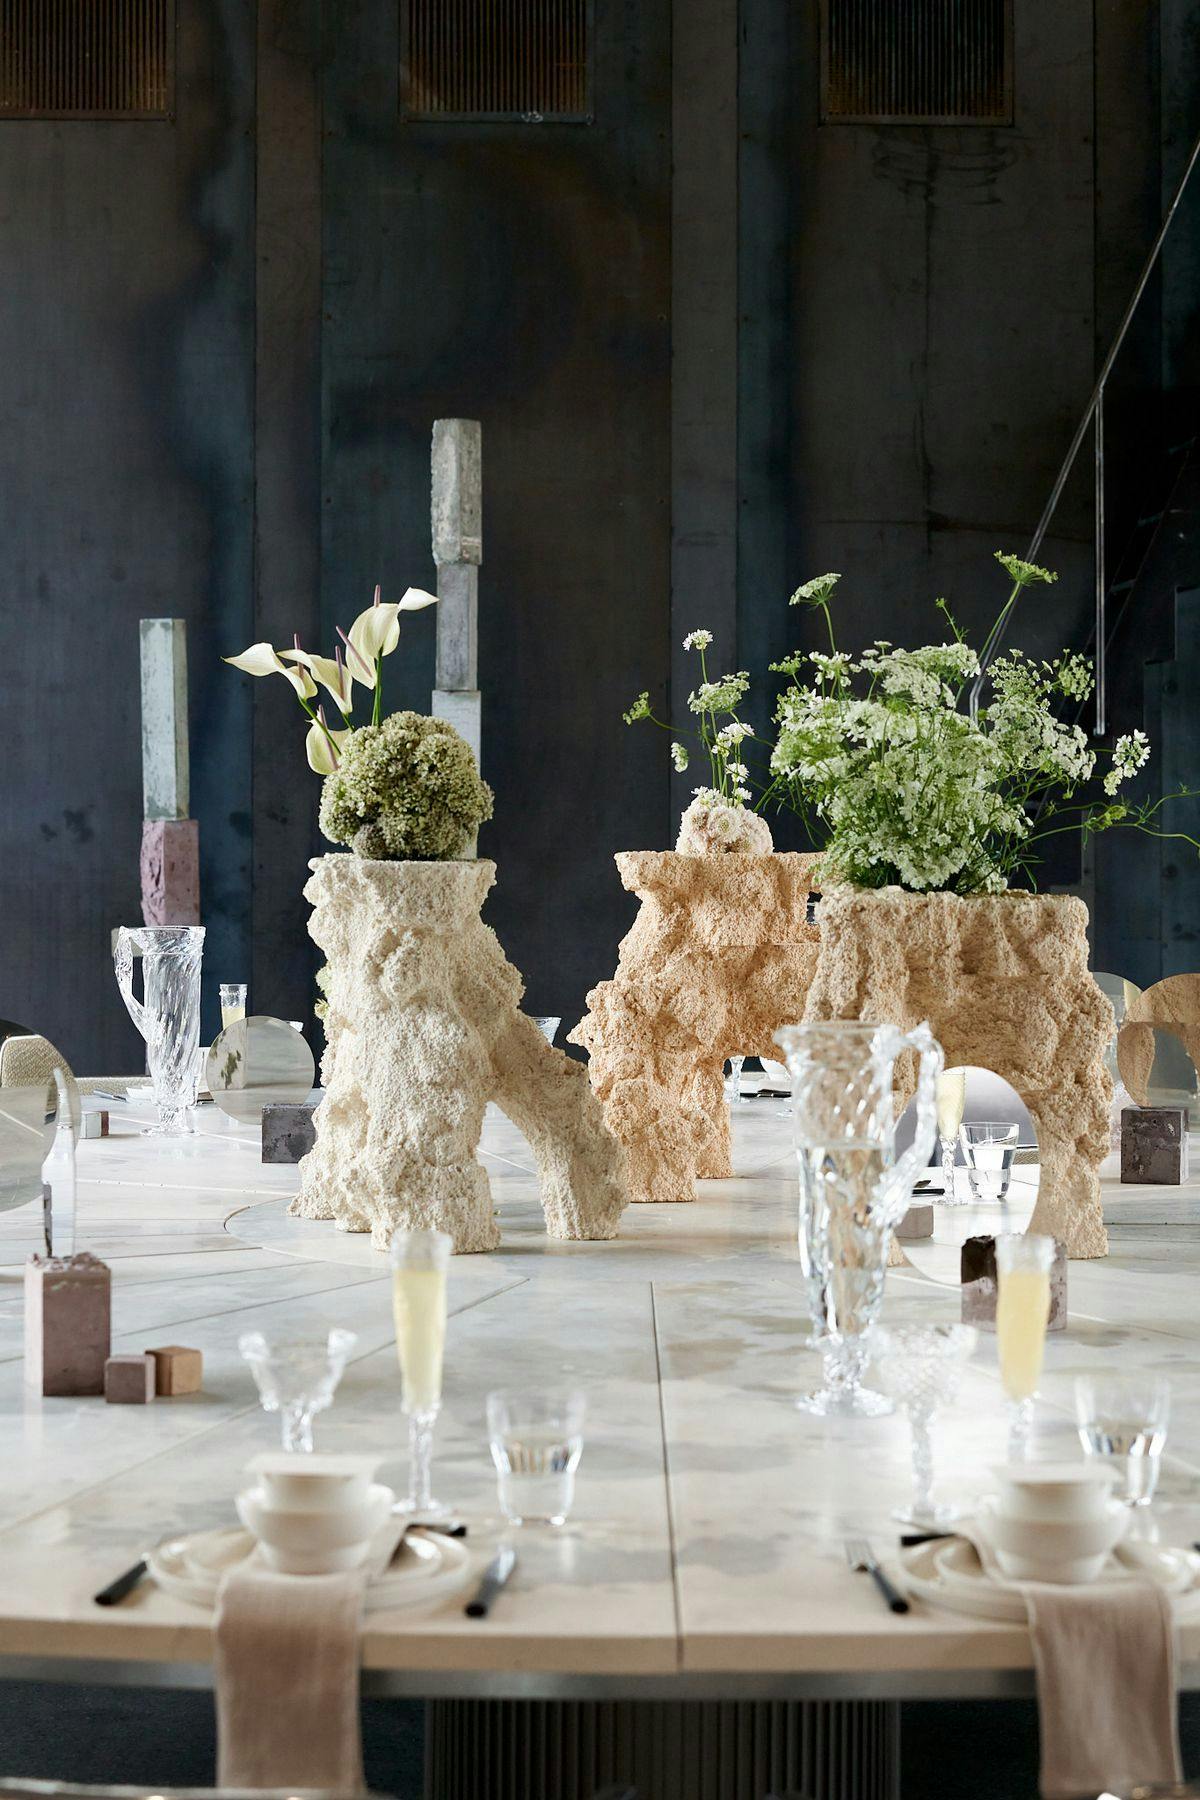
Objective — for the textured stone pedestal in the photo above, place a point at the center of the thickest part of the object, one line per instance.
(424, 1028)
(720, 956)
(1004, 983)
(68, 1309)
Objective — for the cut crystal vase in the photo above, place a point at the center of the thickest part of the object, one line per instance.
(854, 1188)
(168, 1015)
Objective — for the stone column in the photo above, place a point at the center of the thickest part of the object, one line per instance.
(170, 861)
(457, 521)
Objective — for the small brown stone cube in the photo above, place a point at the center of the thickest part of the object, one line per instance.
(916, 1223)
(178, 1369)
(129, 1380)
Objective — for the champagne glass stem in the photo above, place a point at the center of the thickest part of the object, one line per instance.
(1020, 1427)
(420, 1449)
(922, 1465)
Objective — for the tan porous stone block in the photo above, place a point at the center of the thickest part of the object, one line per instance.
(424, 1027)
(719, 957)
(1004, 982)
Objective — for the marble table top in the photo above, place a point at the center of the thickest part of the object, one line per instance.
(705, 1553)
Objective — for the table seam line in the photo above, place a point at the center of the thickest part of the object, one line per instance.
(666, 1463)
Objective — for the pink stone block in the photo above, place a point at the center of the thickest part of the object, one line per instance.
(68, 1310)
(170, 872)
(129, 1380)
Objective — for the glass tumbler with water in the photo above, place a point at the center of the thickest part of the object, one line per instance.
(1123, 1418)
(854, 1188)
(536, 1440)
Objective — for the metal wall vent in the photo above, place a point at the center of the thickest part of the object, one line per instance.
(916, 62)
(86, 59)
(497, 59)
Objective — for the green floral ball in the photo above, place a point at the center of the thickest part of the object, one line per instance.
(408, 790)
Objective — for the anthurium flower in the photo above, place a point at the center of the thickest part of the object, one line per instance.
(330, 672)
(321, 752)
(376, 632)
(261, 659)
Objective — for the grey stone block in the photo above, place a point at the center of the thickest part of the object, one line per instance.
(978, 1274)
(165, 773)
(457, 511)
(464, 712)
(916, 1223)
(68, 1313)
(288, 1132)
(1154, 1145)
(457, 613)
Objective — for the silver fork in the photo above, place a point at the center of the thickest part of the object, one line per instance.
(861, 1558)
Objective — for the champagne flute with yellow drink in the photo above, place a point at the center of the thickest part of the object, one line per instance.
(951, 1099)
(420, 1260)
(1023, 1265)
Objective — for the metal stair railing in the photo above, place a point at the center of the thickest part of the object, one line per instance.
(1093, 415)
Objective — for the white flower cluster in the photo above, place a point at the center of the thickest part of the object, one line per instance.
(725, 695)
(1129, 755)
(679, 757)
(697, 640)
(712, 826)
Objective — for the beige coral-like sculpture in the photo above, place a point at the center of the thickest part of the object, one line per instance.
(719, 957)
(1171, 1005)
(712, 827)
(424, 1028)
(1004, 983)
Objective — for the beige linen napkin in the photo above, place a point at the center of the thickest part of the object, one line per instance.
(287, 1661)
(1105, 1661)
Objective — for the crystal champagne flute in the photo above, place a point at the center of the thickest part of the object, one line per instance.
(951, 1099)
(1023, 1266)
(420, 1260)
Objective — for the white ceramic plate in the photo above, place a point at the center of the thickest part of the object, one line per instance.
(951, 1576)
(190, 1568)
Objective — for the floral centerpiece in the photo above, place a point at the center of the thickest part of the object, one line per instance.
(402, 788)
(898, 781)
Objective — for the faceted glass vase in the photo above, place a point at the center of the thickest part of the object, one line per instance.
(168, 1015)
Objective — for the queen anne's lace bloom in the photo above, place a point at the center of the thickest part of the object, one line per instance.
(711, 826)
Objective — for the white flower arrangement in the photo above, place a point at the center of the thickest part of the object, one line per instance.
(895, 780)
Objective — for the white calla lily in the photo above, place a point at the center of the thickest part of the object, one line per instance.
(262, 659)
(376, 631)
(332, 674)
(322, 755)
(415, 598)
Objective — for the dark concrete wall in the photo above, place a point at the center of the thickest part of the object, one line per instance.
(715, 347)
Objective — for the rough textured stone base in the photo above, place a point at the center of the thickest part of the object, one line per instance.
(288, 1132)
(170, 872)
(720, 956)
(424, 1028)
(68, 1309)
(1004, 982)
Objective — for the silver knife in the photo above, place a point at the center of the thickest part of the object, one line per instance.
(494, 1578)
(862, 1560)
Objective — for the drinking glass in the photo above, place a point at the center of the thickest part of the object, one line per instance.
(548, 1028)
(233, 1002)
(420, 1260)
(1023, 1265)
(1123, 1418)
(168, 1015)
(296, 1377)
(854, 1188)
(921, 1366)
(536, 1440)
(733, 1082)
(989, 1146)
(951, 1098)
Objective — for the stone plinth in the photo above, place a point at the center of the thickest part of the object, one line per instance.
(424, 1027)
(68, 1308)
(720, 956)
(170, 872)
(1004, 982)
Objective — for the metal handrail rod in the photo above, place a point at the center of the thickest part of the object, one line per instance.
(1096, 400)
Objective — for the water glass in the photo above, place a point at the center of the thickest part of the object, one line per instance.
(1123, 1418)
(989, 1146)
(1023, 1264)
(536, 1440)
(733, 1082)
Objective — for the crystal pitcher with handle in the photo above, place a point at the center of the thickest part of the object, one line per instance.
(168, 1015)
(854, 1188)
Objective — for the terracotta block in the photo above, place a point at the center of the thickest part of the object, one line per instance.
(68, 1313)
(978, 1272)
(129, 1380)
(171, 872)
(1154, 1145)
(178, 1370)
(916, 1223)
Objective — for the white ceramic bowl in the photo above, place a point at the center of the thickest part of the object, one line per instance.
(1056, 1542)
(1060, 1574)
(314, 1543)
(313, 1483)
(1054, 1492)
